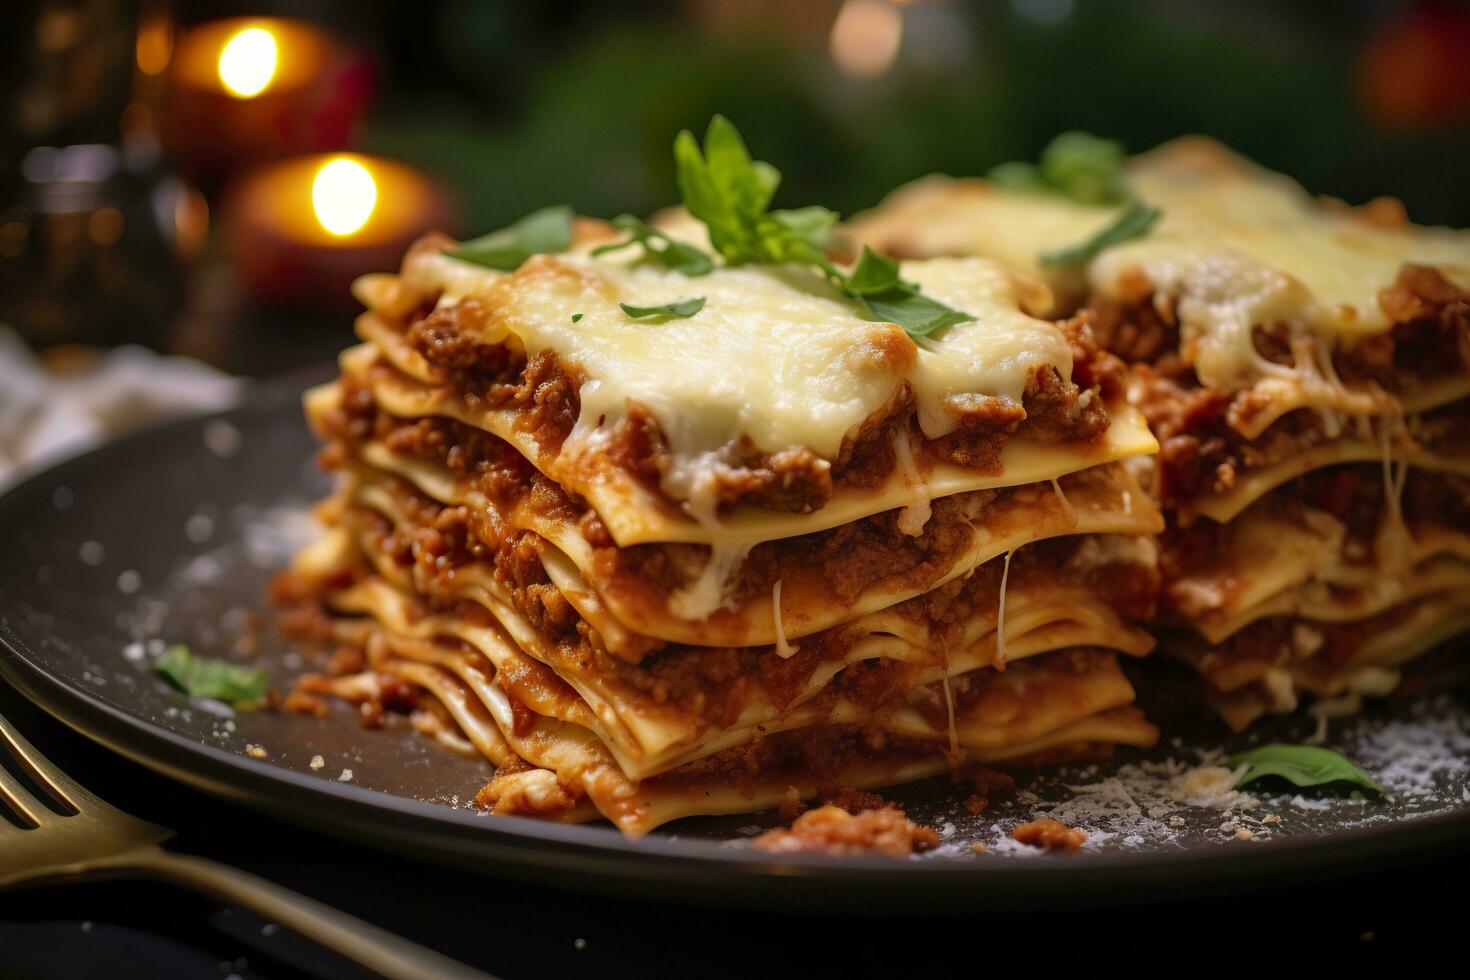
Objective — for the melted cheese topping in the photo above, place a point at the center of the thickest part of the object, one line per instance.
(1238, 246)
(1327, 264)
(776, 356)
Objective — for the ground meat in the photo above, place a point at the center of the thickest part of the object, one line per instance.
(1445, 431)
(1050, 835)
(852, 799)
(832, 830)
(376, 695)
(435, 541)
(795, 479)
(1442, 498)
(983, 427)
(1198, 427)
(1201, 450)
(1052, 410)
(1352, 494)
(481, 373)
(1137, 326)
(1430, 338)
(1279, 639)
(1094, 366)
(852, 556)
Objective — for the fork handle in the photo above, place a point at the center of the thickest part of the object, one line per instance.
(364, 943)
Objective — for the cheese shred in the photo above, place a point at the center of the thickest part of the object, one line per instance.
(1000, 614)
(784, 650)
(1071, 510)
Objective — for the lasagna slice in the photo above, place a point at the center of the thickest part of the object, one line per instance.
(1305, 367)
(655, 567)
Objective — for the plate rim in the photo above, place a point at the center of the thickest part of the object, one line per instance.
(598, 858)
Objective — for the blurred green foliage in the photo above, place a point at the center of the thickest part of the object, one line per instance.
(591, 123)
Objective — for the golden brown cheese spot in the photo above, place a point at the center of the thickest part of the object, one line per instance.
(550, 272)
(889, 349)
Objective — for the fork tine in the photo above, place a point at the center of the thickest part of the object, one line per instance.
(14, 797)
(61, 787)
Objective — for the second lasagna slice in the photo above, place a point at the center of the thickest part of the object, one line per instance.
(1305, 367)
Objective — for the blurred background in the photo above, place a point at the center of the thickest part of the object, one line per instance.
(205, 178)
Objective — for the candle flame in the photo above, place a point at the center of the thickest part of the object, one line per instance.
(343, 196)
(247, 63)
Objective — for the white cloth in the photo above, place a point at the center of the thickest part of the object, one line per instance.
(45, 417)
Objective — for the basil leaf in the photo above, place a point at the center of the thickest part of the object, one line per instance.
(1134, 222)
(543, 232)
(1018, 176)
(726, 189)
(576, 318)
(659, 247)
(206, 677)
(919, 315)
(1302, 765)
(1080, 166)
(681, 308)
(729, 192)
(874, 273)
(1086, 168)
(812, 224)
(876, 285)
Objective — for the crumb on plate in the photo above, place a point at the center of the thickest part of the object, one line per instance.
(1050, 835)
(832, 830)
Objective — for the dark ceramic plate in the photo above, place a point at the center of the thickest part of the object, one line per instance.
(171, 535)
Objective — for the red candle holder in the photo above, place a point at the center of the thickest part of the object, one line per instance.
(242, 90)
(300, 230)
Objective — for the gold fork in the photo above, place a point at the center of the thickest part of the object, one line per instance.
(96, 838)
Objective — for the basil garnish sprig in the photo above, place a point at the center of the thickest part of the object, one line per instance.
(730, 192)
(679, 308)
(658, 247)
(1134, 222)
(1089, 170)
(208, 677)
(876, 284)
(1302, 765)
(1084, 168)
(542, 232)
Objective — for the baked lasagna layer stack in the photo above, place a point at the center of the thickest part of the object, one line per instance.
(658, 565)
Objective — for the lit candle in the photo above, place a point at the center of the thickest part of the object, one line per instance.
(300, 230)
(245, 89)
